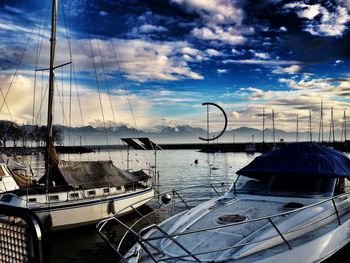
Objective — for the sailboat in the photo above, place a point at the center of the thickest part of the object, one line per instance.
(75, 193)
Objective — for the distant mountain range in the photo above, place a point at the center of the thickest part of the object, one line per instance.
(178, 134)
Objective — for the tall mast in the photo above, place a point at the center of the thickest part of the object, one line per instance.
(310, 127)
(263, 131)
(343, 130)
(208, 132)
(273, 127)
(49, 140)
(320, 131)
(297, 135)
(331, 127)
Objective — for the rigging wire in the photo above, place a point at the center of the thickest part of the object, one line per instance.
(72, 73)
(99, 95)
(109, 96)
(41, 34)
(61, 100)
(41, 104)
(16, 71)
(127, 94)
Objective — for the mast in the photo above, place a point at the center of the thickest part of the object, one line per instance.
(273, 127)
(49, 140)
(344, 126)
(297, 135)
(320, 131)
(331, 127)
(310, 128)
(208, 133)
(263, 131)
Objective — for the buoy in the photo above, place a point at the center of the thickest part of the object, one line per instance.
(166, 198)
(196, 161)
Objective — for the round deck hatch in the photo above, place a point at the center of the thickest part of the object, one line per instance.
(227, 219)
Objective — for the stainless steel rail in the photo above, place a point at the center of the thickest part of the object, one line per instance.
(146, 244)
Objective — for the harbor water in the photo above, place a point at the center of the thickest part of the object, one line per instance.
(177, 169)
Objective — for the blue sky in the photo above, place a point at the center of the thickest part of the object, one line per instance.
(176, 54)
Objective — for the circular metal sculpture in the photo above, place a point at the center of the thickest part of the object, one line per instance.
(223, 130)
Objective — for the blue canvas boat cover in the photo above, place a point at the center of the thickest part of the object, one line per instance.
(300, 159)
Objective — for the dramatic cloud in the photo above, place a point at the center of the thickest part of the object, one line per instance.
(261, 62)
(213, 52)
(175, 54)
(151, 28)
(287, 70)
(321, 20)
(215, 11)
(20, 100)
(229, 36)
(260, 55)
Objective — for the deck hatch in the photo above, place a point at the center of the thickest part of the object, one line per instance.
(228, 219)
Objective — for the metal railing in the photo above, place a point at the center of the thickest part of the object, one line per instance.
(336, 207)
(21, 236)
(181, 200)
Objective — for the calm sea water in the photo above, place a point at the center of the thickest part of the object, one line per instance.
(177, 169)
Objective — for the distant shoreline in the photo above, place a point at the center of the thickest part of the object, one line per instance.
(204, 147)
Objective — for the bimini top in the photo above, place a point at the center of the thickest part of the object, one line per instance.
(300, 159)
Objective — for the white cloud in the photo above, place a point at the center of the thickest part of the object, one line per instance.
(229, 36)
(20, 102)
(320, 20)
(103, 13)
(222, 20)
(145, 29)
(283, 29)
(261, 55)
(261, 62)
(293, 69)
(140, 60)
(190, 51)
(221, 71)
(236, 52)
(213, 52)
(214, 11)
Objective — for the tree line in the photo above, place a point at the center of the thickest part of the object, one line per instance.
(24, 134)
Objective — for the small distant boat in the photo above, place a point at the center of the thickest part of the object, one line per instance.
(288, 205)
(250, 148)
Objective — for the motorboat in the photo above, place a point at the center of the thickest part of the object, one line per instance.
(288, 205)
(75, 193)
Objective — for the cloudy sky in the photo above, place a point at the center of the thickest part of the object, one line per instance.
(166, 57)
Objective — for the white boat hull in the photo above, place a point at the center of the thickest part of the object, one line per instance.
(309, 240)
(74, 213)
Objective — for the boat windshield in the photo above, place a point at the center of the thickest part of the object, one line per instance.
(285, 185)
